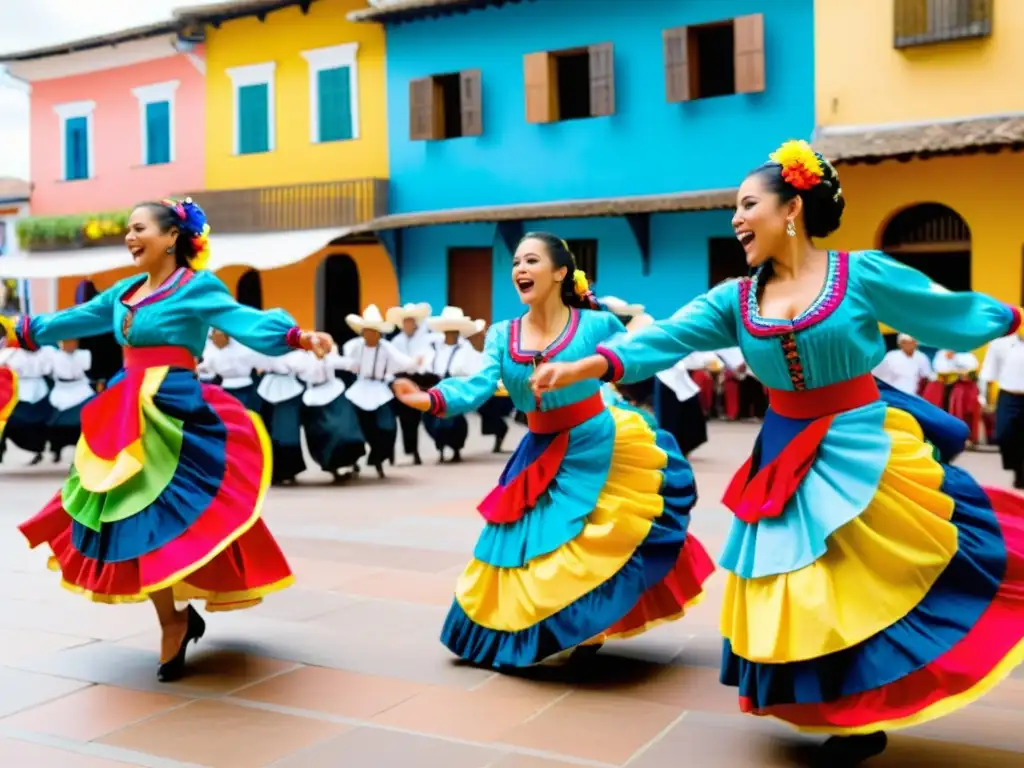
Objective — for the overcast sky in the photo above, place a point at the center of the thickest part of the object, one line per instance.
(25, 25)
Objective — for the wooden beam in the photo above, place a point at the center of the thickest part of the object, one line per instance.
(640, 225)
(510, 232)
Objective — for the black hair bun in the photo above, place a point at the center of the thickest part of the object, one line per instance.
(824, 203)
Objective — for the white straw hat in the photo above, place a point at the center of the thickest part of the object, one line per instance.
(370, 320)
(454, 319)
(417, 312)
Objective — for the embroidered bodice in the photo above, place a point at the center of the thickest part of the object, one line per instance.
(836, 339)
(505, 359)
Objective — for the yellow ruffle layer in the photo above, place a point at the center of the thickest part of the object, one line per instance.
(514, 599)
(878, 567)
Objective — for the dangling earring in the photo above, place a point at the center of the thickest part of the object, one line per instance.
(169, 250)
(790, 229)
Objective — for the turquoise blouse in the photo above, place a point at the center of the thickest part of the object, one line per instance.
(180, 314)
(836, 339)
(505, 359)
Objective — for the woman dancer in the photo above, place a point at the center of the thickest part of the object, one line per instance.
(71, 391)
(586, 536)
(871, 585)
(163, 502)
(28, 422)
(329, 420)
(453, 356)
(280, 393)
(8, 393)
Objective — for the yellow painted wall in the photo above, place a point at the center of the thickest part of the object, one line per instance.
(292, 287)
(295, 160)
(855, 61)
(983, 189)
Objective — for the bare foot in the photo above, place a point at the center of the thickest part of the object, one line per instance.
(172, 637)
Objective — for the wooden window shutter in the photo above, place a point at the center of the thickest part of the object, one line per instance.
(539, 79)
(471, 102)
(602, 79)
(421, 109)
(677, 65)
(748, 43)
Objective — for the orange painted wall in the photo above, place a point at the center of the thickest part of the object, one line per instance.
(292, 287)
(119, 178)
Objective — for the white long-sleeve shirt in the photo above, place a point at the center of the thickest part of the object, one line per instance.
(234, 363)
(70, 371)
(460, 359)
(904, 372)
(322, 386)
(32, 368)
(1004, 365)
(281, 381)
(375, 368)
(947, 362)
(678, 379)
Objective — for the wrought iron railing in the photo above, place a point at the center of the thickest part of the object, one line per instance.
(923, 22)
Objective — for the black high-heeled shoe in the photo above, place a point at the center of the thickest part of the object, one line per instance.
(174, 669)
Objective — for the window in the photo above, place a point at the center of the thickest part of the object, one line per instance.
(922, 22)
(585, 254)
(253, 108)
(717, 59)
(570, 84)
(446, 106)
(76, 146)
(333, 93)
(156, 114)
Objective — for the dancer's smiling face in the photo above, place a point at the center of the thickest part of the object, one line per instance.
(761, 219)
(534, 273)
(151, 238)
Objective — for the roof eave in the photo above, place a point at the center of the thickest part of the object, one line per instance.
(92, 43)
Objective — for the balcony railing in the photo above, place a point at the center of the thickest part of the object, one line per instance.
(320, 205)
(923, 22)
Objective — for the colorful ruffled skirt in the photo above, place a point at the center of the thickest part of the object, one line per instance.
(166, 489)
(586, 540)
(871, 585)
(8, 396)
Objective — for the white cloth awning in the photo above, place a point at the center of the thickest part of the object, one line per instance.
(265, 250)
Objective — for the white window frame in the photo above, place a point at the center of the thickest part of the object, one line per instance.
(332, 57)
(69, 111)
(153, 94)
(255, 74)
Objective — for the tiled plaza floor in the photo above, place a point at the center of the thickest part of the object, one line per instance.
(345, 669)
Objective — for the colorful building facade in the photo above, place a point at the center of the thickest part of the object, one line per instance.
(624, 131)
(925, 122)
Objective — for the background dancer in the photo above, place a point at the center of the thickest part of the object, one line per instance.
(870, 584)
(232, 365)
(280, 407)
(415, 341)
(586, 533)
(452, 356)
(71, 391)
(1004, 367)
(329, 420)
(27, 426)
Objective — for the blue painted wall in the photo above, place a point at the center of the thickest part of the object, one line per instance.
(679, 259)
(647, 147)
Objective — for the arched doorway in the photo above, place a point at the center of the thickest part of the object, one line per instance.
(337, 295)
(107, 358)
(934, 239)
(249, 290)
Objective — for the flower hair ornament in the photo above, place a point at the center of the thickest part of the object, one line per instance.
(192, 224)
(802, 167)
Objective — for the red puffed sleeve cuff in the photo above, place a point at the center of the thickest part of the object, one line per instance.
(1014, 320)
(437, 403)
(293, 338)
(615, 368)
(23, 334)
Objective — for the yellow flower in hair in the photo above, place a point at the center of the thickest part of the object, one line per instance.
(580, 284)
(801, 165)
(202, 245)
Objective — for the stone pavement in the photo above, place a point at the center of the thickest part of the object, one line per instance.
(345, 669)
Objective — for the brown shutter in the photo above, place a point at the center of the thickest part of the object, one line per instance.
(421, 109)
(538, 76)
(602, 79)
(677, 65)
(471, 103)
(748, 42)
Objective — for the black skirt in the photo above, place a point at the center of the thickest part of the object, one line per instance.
(1010, 430)
(493, 414)
(28, 426)
(380, 429)
(333, 434)
(449, 432)
(247, 396)
(685, 420)
(284, 425)
(65, 427)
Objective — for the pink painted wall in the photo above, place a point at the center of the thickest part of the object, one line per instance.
(119, 178)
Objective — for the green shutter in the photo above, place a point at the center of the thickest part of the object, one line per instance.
(335, 105)
(76, 148)
(253, 119)
(158, 132)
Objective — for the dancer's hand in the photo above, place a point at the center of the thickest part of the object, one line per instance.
(408, 393)
(317, 342)
(551, 376)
